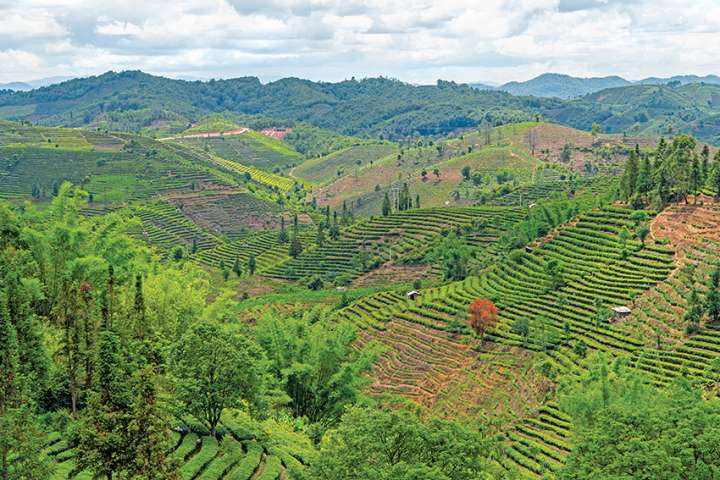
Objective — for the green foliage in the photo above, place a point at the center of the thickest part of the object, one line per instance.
(295, 248)
(315, 142)
(453, 256)
(148, 432)
(22, 444)
(554, 270)
(315, 283)
(628, 429)
(101, 435)
(376, 106)
(379, 444)
(214, 370)
(8, 356)
(712, 297)
(22, 440)
(313, 359)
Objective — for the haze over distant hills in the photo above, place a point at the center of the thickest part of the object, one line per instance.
(33, 84)
(566, 86)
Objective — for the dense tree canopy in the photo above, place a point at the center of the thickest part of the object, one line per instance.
(629, 429)
(391, 445)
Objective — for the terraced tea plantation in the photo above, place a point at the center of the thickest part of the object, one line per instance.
(229, 213)
(251, 148)
(549, 183)
(299, 318)
(600, 270)
(342, 162)
(165, 226)
(111, 167)
(264, 246)
(370, 243)
(236, 455)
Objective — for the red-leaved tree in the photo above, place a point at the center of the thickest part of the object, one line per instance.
(483, 315)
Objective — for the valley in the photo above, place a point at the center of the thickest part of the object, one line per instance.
(243, 296)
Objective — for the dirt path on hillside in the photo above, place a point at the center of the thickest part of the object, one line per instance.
(227, 133)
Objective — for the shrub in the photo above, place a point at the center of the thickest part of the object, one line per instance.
(315, 283)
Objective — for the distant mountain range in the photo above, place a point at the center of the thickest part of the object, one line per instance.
(33, 84)
(373, 107)
(556, 85)
(136, 101)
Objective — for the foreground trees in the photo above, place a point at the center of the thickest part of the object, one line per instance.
(22, 440)
(627, 429)
(215, 369)
(396, 445)
(675, 172)
(313, 360)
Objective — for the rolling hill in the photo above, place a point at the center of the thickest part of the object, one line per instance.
(649, 109)
(568, 87)
(562, 86)
(132, 101)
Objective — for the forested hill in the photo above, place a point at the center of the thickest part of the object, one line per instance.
(565, 86)
(374, 107)
(648, 109)
(562, 86)
(378, 106)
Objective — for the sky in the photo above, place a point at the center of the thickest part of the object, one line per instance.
(416, 41)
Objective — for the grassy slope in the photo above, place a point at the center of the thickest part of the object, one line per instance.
(112, 167)
(506, 152)
(250, 148)
(343, 162)
(212, 124)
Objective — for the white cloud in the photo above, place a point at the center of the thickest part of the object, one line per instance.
(415, 40)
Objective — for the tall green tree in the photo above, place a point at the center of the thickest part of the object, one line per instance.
(140, 322)
(101, 435)
(645, 180)
(295, 248)
(148, 434)
(22, 442)
(716, 177)
(282, 235)
(705, 165)
(630, 175)
(215, 370)
(8, 357)
(386, 205)
(34, 361)
(695, 178)
(320, 239)
(237, 269)
(314, 360)
(663, 188)
(251, 264)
